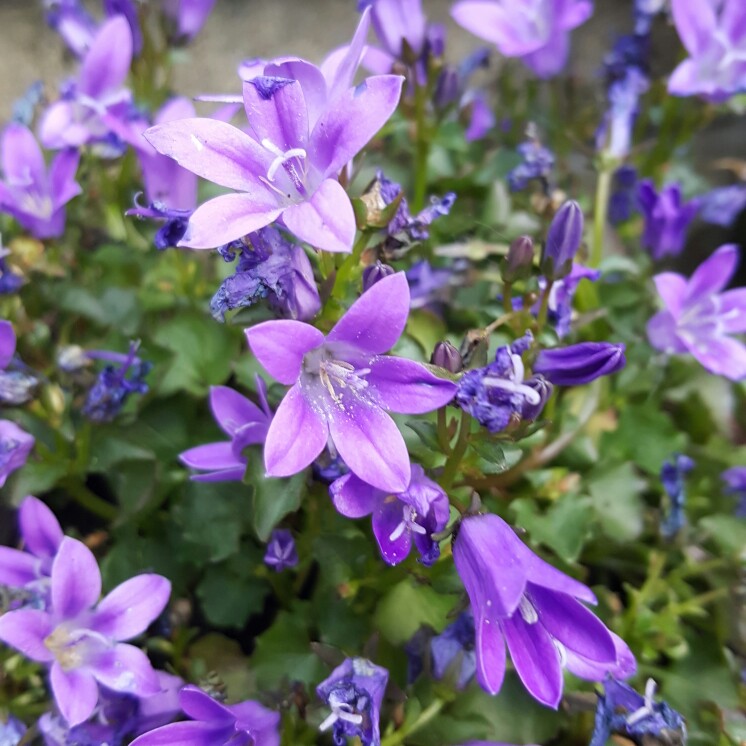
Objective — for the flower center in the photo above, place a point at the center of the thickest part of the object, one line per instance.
(513, 382)
(73, 647)
(291, 161)
(335, 375)
(346, 703)
(408, 523)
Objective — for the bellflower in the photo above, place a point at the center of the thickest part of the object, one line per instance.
(414, 514)
(213, 723)
(622, 710)
(673, 478)
(714, 34)
(578, 364)
(82, 641)
(537, 162)
(723, 205)
(645, 12)
(342, 385)
(189, 16)
(96, 103)
(537, 31)
(622, 201)
(427, 284)
(562, 294)
(667, 218)
(73, 23)
(446, 356)
(455, 647)
(11, 732)
(564, 237)
(354, 692)
(243, 422)
(34, 196)
(16, 383)
(286, 167)
(519, 599)
(15, 447)
(698, 315)
(274, 269)
(401, 27)
(614, 136)
(735, 481)
(373, 273)
(281, 553)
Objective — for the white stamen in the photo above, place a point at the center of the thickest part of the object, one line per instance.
(518, 368)
(531, 396)
(528, 612)
(647, 709)
(397, 532)
(282, 157)
(328, 722)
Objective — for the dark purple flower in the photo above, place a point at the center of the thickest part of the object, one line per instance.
(673, 478)
(622, 710)
(342, 385)
(446, 356)
(735, 481)
(630, 51)
(564, 237)
(614, 136)
(454, 649)
(414, 514)
(622, 202)
(243, 422)
(537, 162)
(354, 692)
(537, 31)
(274, 269)
(188, 15)
(699, 317)
(714, 34)
(15, 447)
(667, 218)
(81, 641)
(375, 272)
(578, 364)
(519, 599)
(723, 205)
(34, 196)
(281, 553)
(215, 724)
(519, 260)
(562, 294)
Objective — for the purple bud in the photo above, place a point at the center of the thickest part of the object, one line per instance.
(374, 273)
(281, 553)
(563, 241)
(544, 389)
(581, 363)
(517, 264)
(445, 355)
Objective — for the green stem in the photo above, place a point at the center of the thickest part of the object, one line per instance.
(454, 460)
(508, 297)
(430, 712)
(443, 438)
(89, 500)
(603, 192)
(544, 308)
(422, 149)
(349, 264)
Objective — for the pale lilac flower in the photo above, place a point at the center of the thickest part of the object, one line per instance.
(519, 599)
(354, 692)
(667, 218)
(215, 724)
(301, 138)
(243, 422)
(723, 205)
(81, 640)
(34, 196)
(342, 385)
(453, 651)
(96, 104)
(537, 162)
(427, 284)
(15, 447)
(281, 553)
(412, 515)
(579, 364)
(16, 383)
(71, 20)
(614, 136)
(714, 34)
(12, 731)
(537, 31)
(188, 15)
(699, 315)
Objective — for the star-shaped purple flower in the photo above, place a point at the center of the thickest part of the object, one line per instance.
(667, 218)
(699, 316)
(281, 553)
(342, 385)
(81, 640)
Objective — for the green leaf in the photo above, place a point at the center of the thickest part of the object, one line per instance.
(728, 534)
(228, 600)
(427, 433)
(615, 495)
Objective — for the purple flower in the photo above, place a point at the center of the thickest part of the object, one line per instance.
(413, 514)
(73, 23)
(427, 284)
(614, 136)
(288, 166)
(622, 710)
(243, 422)
(714, 34)
(16, 383)
(622, 202)
(519, 599)
(342, 383)
(564, 237)
(667, 218)
(454, 647)
(735, 481)
(96, 103)
(537, 31)
(281, 553)
(82, 643)
(562, 294)
(401, 27)
(698, 316)
(215, 724)
(673, 477)
(11, 732)
(446, 356)
(375, 273)
(35, 197)
(274, 269)
(354, 692)
(537, 162)
(127, 9)
(578, 364)
(188, 15)
(15, 447)
(723, 205)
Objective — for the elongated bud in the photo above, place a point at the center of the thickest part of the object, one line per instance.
(581, 363)
(544, 389)
(517, 264)
(445, 355)
(374, 273)
(563, 241)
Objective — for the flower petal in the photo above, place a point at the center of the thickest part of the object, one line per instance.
(732, 311)
(280, 346)
(211, 456)
(408, 387)
(76, 580)
(311, 81)
(126, 669)
(326, 220)
(696, 23)
(376, 320)
(343, 74)
(25, 630)
(230, 217)
(352, 497)
(7, 343)
(713, 274)
(392, 541)
(720, 355)
(62, 184)
(296, 437)
(40, 529)
(192, 733)
(277, 111)
(623, 667)
(496, 23)
(131, 607)
(672, 289)
(232, 410)
(21, 156)
(107, 63)
(60, 129)
(395, 21)
(199, 705)
(17, 568)
(490, 646)
(663, 333)
(75, 692)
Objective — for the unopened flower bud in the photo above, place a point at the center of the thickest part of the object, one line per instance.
(544, 389)
(374, 273)
(581, 363)
(517, 264)
(445, 355)
(563, 241)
